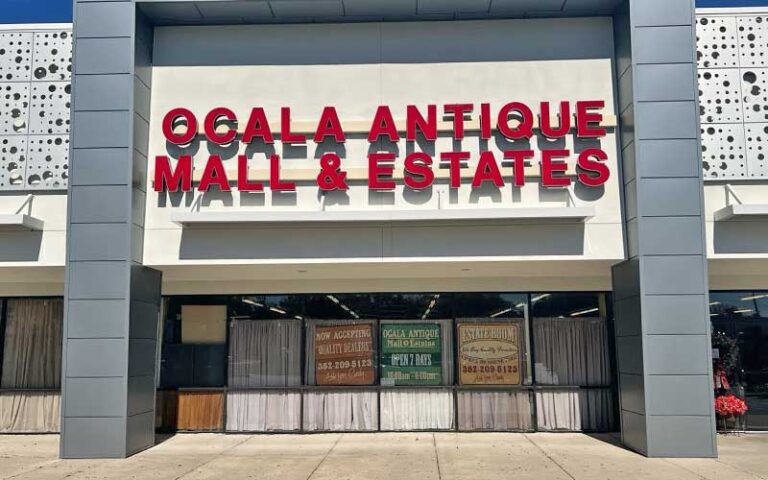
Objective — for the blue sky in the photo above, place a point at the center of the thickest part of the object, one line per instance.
(57, 11)
(36, 11)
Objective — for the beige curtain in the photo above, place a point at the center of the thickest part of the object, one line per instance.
(32, 349)
(29, 412)
(494, 411)
(262, 411)
(417, 409)
(340, 411)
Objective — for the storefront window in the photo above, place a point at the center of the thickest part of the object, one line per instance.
(389, 362)
(740, 350)
(571, 347)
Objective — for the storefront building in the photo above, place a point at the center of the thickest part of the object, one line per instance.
(356, 215)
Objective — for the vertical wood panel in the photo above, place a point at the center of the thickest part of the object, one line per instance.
(201, 411)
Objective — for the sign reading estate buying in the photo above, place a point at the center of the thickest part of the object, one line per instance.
(411, 354)
(515, 122)
(489, 354)
(344, 355)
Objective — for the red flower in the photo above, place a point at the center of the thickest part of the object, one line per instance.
(727, 405)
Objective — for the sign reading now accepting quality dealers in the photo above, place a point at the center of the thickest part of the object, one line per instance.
(344, 355)
(514, 121)
(411, 354)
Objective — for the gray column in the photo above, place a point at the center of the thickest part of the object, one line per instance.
(661, 291)
(112, 301)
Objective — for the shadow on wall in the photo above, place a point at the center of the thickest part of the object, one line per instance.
(20, 246)
(741, 237)
(259, 149)
(377, 241)
(372, 43)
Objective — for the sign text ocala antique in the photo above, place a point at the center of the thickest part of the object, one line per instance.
(515, 121)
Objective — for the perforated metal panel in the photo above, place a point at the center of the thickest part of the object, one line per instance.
(53, 56)
(754, 86)
(723, 151)
(35, 72)
(753, 40)
(15, 56)
(50, 108)
(717, 42)
(13, 162)
(720, 96)
(757, 149)
(14, 114)
(733, 94)
(48, 165)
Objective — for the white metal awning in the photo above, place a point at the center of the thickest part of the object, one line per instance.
(19, 221)
(740, 210)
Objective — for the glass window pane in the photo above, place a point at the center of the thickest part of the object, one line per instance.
(492, 351)
(340, 306)
(490, 305)
(752, 336)
(340, 352)
(194, 350)
(757, 416)
(268, 307)
(571, 345)
(416, 352)
(265, 353)
(567, 305)
(733, 304)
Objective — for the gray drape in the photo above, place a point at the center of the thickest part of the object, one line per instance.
(571, 351)
(574, 352)
(265, 353)
(32, 348)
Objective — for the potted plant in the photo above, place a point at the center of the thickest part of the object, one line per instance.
(729, 409)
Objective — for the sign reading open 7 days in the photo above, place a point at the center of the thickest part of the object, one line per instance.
(411, 354)
(344, 355)
(489, 354)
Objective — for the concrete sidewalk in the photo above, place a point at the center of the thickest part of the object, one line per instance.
(384, 456)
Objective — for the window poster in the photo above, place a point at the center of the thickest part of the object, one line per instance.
(344, 355)
(411, 354)
(489, 354)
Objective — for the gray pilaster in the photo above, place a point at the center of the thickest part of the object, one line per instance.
(112, 301)
(661, 291)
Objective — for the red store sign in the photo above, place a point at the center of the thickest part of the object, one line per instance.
(515, 121)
